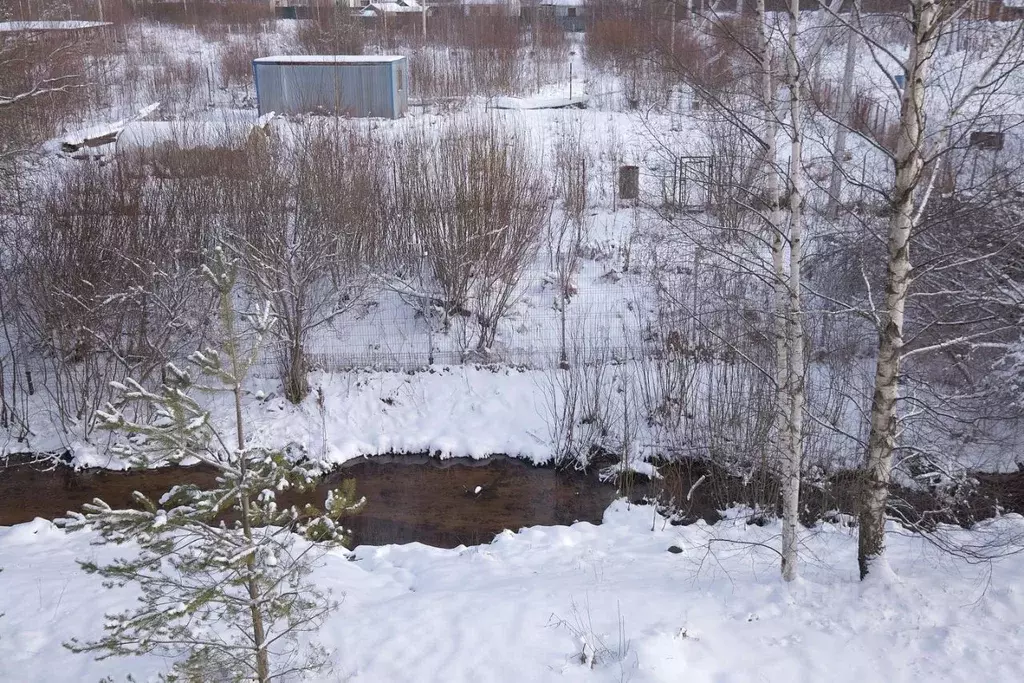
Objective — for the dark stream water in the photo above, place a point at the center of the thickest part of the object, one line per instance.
(409, 498)
(446, 503)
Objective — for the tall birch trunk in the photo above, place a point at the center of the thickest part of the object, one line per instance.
(794, 386)
(835, 186)
(924, 18)
(773, 212)
(788, 317)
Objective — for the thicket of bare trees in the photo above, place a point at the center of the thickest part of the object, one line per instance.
(108, 268)
(912, 151)
(851, 277)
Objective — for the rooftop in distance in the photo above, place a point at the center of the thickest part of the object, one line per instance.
(328, 59)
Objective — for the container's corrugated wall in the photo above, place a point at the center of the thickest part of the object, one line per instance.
(344, 89)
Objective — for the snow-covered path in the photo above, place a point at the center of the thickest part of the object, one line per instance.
(525, 607)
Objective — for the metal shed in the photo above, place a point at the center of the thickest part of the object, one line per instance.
(359, 85)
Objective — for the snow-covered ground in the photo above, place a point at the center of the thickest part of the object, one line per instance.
(532, 605)
(458, 411)
(474, 411)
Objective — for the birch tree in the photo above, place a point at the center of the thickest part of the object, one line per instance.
(794, 384)
(768, 112)
(936, 107)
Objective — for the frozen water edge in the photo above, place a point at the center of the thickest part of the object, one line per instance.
(524, 607)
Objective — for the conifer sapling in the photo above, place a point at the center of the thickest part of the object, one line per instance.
(223, 572)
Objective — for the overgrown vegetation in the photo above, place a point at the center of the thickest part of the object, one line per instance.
(769, 316)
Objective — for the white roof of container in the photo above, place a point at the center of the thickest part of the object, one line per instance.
(328, 59)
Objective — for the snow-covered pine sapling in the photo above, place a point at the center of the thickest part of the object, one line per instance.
(222, 572)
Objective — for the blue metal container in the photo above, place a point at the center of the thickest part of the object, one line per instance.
(358, 86)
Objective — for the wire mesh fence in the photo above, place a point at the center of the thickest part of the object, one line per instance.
(400, 341)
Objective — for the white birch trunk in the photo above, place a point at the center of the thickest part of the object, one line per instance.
(925, 21)
(788, 324)
(792, 456)
(773, 212)
(835, 186)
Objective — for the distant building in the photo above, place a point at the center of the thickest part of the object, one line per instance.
(359, 86)
(999, 10)
(491, 8)
(378, 9)
(569, 14)
(293, 9)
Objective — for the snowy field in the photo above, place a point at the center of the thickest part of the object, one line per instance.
(587, 603)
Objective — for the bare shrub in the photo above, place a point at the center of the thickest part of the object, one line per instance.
(44, 85)
(616, 34)
(108, 284)
(648, 53)
(475, 204)
(578, 398)
(303, 220)
(874, 121)
(331, 32)
(181, 84)
(548, 37)
(569, 229)
(619, 39)
(234, 60)
(214, 18)
(493, 33)
(463, 72)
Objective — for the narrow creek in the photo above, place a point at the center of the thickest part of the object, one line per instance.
(459, 501)
(443, 503)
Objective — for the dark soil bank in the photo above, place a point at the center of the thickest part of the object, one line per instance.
(446, 503)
